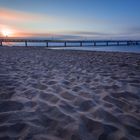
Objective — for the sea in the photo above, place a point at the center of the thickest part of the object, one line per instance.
(85, 47)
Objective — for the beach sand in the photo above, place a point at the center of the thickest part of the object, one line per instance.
(69, 95)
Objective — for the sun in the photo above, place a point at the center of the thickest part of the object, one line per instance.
(7, 32)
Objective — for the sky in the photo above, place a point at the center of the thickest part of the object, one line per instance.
(70, 19)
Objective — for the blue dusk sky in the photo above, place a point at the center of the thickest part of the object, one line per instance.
(73, 19)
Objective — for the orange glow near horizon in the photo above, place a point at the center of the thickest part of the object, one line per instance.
(12, 32)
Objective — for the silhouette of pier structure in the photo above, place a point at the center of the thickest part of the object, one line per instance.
(69, 43)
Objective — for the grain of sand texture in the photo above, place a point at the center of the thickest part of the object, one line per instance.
(69, 95)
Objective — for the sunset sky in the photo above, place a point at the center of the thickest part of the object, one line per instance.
(97, 19)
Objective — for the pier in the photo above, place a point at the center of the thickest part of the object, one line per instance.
(70, 43)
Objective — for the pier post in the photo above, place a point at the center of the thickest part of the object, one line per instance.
(81, 43)
(65, 44)
(107, 43)
(26, 43)
(47, 44)
(0, 43)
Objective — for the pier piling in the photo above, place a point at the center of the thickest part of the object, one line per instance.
(81, 43)
(47, 44)
(26, 44)
(0, 43)
(127, 43)
(107, 43)
(65, 44)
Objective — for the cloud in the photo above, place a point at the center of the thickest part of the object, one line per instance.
(17, 16)
(24, 21)
(34, 20)
(133, 30)
(35, 24)
(90, 33)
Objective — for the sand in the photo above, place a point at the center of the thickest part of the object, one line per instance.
(69, 95)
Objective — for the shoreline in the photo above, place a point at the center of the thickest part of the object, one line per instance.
(69, 95)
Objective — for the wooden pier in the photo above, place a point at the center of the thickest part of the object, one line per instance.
(70, 43)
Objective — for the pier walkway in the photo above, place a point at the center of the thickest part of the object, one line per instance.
(68, 43)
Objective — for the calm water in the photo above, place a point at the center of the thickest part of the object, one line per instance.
(134, 49)
(87, 47)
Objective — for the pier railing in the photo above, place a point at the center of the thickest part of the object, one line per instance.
(68, 43)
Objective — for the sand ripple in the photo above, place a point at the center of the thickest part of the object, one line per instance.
(68, 95)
